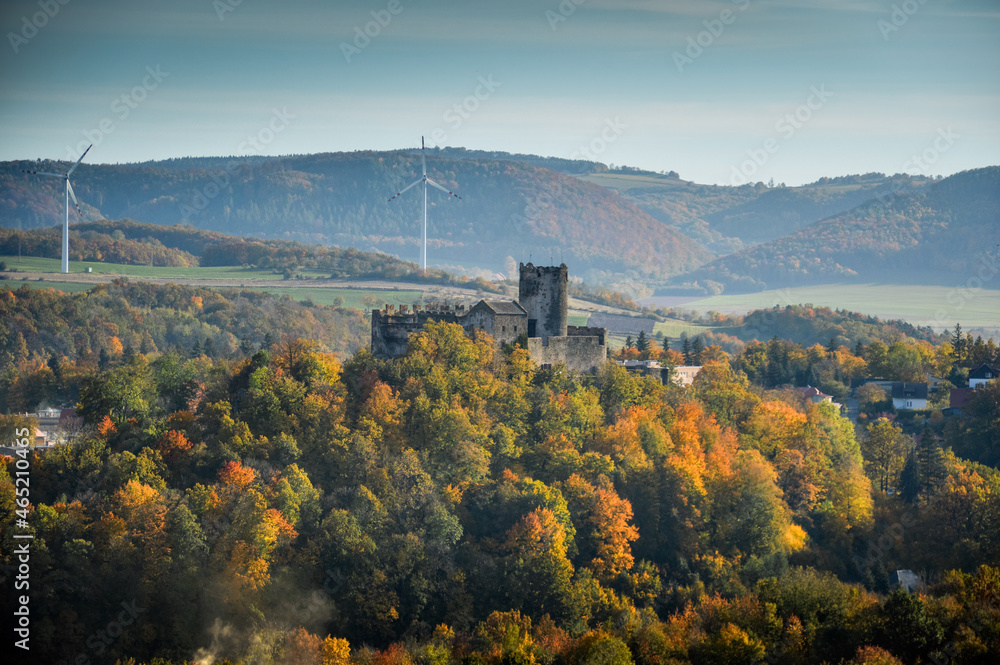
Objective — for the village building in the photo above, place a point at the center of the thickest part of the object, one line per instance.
(978, 377)
(905, 395)
(981, 375)
(816, 396)
(909, 396)
(684, 375)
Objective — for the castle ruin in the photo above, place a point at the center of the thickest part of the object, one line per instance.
(541, 312)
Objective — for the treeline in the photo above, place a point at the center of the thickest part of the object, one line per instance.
(602, 296)
(939, 234)
(92, 245)
(807, 324)
(508, 208)
(831, 367)
(50, 342)
(135, 243)
(217, 249)
(459, 505)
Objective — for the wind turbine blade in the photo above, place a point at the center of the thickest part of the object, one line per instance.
(54, 175)
(69, 188)
(73, 168)
(410, 186)
(443, 189)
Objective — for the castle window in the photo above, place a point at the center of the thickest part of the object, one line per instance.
(503, 328)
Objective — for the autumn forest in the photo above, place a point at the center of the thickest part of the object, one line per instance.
(249, 485)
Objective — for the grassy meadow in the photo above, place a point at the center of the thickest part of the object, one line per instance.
(940, 307)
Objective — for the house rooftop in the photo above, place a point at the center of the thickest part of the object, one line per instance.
(903, 390)
(505, 306)
(984, 371)
(960, 397)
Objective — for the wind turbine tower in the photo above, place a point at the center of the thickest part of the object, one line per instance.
(69, 193)
(426, 181)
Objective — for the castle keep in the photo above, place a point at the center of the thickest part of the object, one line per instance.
(541, 312)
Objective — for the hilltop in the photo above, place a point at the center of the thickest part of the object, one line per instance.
(510, 210)
(621, 227)
(943, 233)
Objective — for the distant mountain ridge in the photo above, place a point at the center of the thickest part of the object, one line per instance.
(614, 225)
(944, 233)
(510, 210)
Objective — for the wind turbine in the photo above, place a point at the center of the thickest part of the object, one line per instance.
(427, 181)
(69, 193)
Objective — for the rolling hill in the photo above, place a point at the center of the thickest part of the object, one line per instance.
(728, 219)
(945, 233)
(510, 209)
(615, 226)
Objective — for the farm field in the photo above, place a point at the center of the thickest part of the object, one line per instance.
(320, 291)
(940, 307)
(34, 264)
(347, 297)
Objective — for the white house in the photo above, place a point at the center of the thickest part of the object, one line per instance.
(980, 376)
(683, 375)
(909, 395)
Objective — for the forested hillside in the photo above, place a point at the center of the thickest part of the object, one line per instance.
(727, 219)
(609, 223)
(509, 209)
(127, 242)
(808, 325)
(50, 341)
(278, 503)
(944, 233)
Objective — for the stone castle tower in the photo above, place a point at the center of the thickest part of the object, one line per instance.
(541, 311)
(543, 292)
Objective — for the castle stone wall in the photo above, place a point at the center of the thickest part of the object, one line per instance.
(578, 353)
(586, 331)
(504, 327)
(543, 292)
(542, 312)
(391, 328)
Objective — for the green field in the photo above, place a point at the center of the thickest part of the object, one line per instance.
(673, 328)
(33, 264)
(349, 297)
(317, 294)
(940, 307)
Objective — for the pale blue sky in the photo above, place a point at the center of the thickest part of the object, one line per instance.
(889, 95)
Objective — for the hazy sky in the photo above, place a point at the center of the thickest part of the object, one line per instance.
(807, 87)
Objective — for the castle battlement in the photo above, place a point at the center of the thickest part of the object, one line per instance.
(541, 312)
